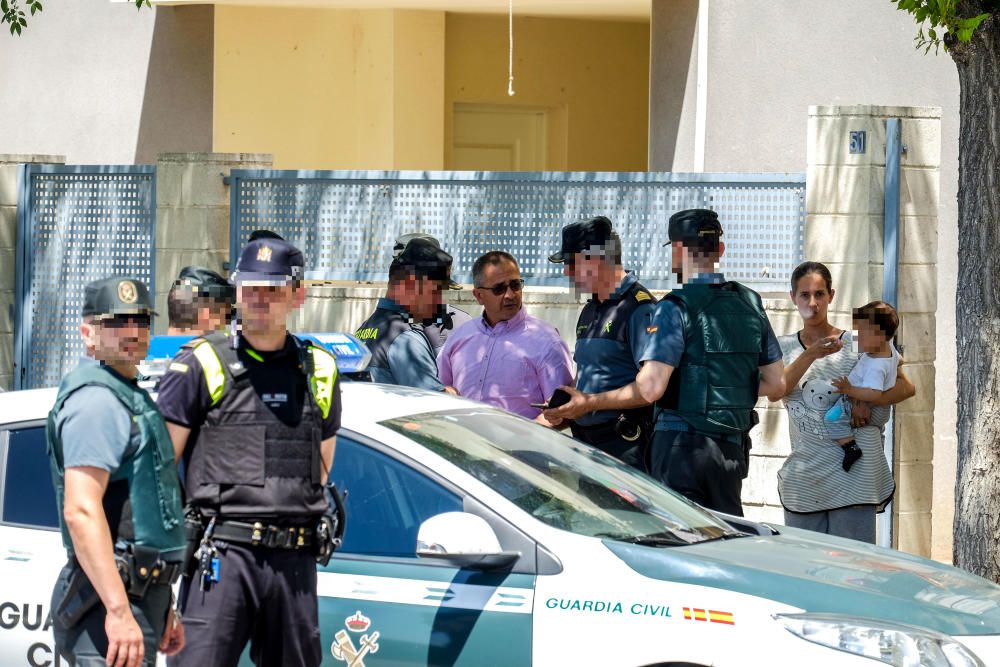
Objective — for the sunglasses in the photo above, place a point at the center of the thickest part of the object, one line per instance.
(125, 321)
(499, 290)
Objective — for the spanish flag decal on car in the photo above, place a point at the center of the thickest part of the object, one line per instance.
(709, 615)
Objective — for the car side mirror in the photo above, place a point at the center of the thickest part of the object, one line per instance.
(463, 540)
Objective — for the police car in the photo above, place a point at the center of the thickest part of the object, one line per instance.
(475, 537)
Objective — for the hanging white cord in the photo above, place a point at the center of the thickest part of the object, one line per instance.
(510, 50)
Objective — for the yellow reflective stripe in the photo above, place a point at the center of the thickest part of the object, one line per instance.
(211, 366)
(253, 354)
(324, 376)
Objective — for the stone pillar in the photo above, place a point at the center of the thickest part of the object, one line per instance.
(9, 193)
(844, 230)
(192, 215)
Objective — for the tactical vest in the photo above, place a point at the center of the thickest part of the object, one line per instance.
(714, 389)
(380, 331)
(613, 323)
(154, 494)
(245, 462)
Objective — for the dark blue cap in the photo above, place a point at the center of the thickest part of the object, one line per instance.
(580, 236)
(270, 261)
(693, 225)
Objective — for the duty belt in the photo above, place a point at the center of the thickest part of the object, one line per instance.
(264, 535)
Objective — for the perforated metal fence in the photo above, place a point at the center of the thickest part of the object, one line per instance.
(345, 222)
(76, 224)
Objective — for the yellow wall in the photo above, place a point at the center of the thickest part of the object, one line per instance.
(330, 89)
(593, 77)
(375, 89)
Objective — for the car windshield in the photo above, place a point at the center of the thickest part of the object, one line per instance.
(560, 481)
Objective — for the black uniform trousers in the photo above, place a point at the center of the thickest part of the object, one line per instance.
(264, 596)
(706, 468)
(606, 438)
(86, 643)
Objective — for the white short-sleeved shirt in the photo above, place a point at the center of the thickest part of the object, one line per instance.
(812, 478)
(877, 373)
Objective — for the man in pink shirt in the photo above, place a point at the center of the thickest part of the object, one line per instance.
(506, 358)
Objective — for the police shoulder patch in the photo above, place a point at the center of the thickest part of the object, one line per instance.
(178, 367)
(642, 296)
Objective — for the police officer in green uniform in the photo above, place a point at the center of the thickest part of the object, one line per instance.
(447, 317)
(254, 417)
(117, 491)
(402, 352)
(610, 336)
(711, 354)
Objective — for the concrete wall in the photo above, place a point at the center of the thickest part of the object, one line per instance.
(375, 89)
(331, 89)
(592, 77)
(192, 215)
(102, 83)
(802, 53)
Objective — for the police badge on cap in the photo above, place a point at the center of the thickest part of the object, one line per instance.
(118, 295)
(268, 261)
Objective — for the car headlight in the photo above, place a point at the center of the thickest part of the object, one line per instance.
(891, 643)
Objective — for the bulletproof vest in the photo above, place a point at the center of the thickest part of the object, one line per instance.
(153, 514)
(613, 323)
(245, 461)
(379, 331)
(714, 389)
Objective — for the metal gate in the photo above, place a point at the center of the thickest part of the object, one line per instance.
(75, 224)
(345, 221)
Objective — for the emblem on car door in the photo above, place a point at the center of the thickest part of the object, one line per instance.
(343, 647)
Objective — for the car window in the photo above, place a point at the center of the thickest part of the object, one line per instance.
(385, 500)
(558, 480)
(28, 495)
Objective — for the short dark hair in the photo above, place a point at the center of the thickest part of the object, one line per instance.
(492, 258)
(805, 268)
(880, 314)
(184, 302)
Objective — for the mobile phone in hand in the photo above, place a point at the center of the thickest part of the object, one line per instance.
(560, 397)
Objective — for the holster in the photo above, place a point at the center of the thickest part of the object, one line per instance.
(141, 567)
(194, 530)
(78, 598)
(330, 528)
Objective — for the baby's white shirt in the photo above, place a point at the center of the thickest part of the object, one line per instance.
(875, 372)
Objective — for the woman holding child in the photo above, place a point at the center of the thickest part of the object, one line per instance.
(836, 478)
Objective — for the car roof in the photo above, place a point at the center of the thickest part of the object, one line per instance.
(27, 405)
(366, 402)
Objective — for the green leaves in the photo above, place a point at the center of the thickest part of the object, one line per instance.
(939, 22)
(13, 15)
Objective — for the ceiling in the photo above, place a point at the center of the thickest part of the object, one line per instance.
(632, 10)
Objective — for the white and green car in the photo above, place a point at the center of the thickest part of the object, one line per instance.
(475, 537)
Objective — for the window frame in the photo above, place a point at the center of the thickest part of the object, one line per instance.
(5, 430)
(535, 558)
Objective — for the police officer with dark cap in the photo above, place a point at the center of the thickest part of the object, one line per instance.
(711, 354)
(401, 351)
(447, 317)
(199, 301)
(254, 416)
(117, 492)
(610, 337)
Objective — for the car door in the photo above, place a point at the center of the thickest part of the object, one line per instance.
(381, 605)
(31, 550)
